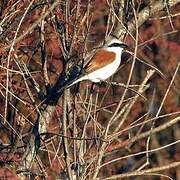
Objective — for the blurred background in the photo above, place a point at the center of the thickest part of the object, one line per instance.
(35, 48)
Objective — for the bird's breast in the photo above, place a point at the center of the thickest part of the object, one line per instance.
(105, 72)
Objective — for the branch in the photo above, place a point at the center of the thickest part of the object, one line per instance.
(143, 16)
(146, 172)
(30, 29)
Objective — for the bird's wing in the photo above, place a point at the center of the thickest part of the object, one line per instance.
(100, 59)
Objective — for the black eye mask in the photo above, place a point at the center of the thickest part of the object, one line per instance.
(122, 45)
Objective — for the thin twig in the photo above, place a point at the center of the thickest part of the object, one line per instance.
(145, 172)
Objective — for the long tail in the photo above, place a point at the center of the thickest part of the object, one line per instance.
(76, 81)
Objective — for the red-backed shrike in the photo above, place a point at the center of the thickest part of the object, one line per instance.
(104, 63)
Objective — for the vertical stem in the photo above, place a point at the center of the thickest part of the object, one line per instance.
(64, 131)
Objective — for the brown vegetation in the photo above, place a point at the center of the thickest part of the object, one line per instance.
(113, 132)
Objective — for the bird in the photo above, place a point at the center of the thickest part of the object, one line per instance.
(103, 63)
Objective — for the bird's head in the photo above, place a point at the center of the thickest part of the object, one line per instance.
(114, 42)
